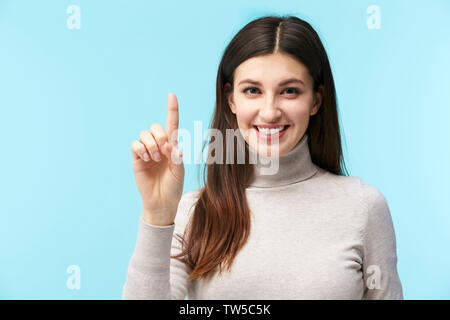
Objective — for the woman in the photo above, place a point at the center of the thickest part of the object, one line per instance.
(304, 231)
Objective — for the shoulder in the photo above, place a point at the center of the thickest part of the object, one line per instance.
(372, 198)
(371, 205)
(374, 204)
(354, 187)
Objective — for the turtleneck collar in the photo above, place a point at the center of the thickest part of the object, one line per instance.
(294, 166)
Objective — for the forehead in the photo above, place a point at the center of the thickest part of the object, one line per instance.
(272, 68)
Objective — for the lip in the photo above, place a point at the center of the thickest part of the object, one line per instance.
(270, 126)
(271, 136)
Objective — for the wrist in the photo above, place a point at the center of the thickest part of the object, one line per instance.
(156, 219)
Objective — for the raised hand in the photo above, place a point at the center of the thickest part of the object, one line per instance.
(158, 168)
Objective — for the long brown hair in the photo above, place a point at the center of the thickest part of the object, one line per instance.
(220, 224)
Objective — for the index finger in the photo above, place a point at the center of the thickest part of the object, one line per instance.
(172, 117)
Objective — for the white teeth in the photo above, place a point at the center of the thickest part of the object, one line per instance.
(268, 131)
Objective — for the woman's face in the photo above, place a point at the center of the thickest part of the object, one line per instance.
(275, 91)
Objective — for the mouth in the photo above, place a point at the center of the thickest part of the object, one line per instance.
(272, 132)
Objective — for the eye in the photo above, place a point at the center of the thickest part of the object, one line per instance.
(295, 90)
(249, 88)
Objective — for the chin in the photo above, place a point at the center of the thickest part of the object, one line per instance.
(268, 150)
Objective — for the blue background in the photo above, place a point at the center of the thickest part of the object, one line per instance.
(72, 101)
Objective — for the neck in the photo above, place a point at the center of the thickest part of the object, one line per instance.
(294, 166)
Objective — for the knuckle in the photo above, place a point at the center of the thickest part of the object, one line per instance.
(137, 148)
(161, 139)
(143, 135)
(147, 140)
(158, 133)
(155, 127)
(151, 147)
(140, 148)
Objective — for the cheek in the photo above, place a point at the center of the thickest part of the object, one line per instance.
(245, 114)
(298, 115)
(298, 111)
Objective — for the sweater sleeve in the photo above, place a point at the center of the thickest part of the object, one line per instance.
(152, 274)
(381, 279)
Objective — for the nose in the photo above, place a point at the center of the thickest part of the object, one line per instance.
(269, 112)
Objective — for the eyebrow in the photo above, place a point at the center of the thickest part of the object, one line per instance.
(285, 82)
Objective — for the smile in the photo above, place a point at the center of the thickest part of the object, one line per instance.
(271, 133)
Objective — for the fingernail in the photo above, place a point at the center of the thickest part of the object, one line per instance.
(146, 156)
(156, 156)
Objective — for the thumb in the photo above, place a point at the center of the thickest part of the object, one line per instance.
(174, 156)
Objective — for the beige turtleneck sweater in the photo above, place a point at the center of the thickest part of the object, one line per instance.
(314, 235)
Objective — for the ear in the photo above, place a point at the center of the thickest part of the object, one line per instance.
(318, 97)
(229, 94)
